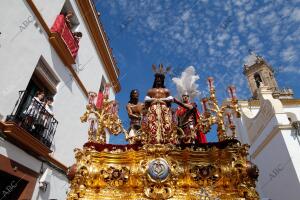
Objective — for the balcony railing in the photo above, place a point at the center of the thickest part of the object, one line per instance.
(30, 114)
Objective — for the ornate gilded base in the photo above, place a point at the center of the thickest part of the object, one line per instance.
(207, 171)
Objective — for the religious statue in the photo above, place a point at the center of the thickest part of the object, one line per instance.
(159, 116)
(134, 109)
(187, 112)
(188, 116)
(153, 165)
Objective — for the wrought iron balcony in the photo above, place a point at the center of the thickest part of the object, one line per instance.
(30, 114)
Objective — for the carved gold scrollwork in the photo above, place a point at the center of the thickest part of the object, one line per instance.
(159, 191)
(159, 171)
(162, 172)
(102, 119)
(115, 176)
(205, 174)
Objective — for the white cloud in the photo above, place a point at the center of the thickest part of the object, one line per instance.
(193, 32)
(250, 60)
(254, 42)
(290, 69)
(270, 18)
(152, 22)
(185, 16)
(289, 54)
(296, 15)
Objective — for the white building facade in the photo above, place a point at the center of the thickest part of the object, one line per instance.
(34, 56)
(270, 125)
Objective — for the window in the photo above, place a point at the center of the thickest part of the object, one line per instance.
(43, 79)
(11, 183)
(16, 184)
(102, 85)
(32, 111)
(74, 22)
(257, 79)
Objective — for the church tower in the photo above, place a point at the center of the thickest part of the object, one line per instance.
(258, 73)
(269, 123)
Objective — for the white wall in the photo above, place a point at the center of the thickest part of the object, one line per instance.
(58, 186)
(56, 189)
(22, 43)
(275, 150)
(293, 147)
(14, 153)
(87, 55)
(293, 109)
(276, 171)
(19, 53)
(18, 59)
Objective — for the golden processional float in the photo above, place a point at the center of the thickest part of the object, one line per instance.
(157, 164)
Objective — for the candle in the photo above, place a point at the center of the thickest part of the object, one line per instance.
(232, 92)
(106, 90)
(91, 98)
(114, 108)
(92, 126)
(204, 104)
(210, 81)
(229, 118)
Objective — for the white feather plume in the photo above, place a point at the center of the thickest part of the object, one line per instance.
(186, 83)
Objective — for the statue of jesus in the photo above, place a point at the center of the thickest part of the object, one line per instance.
(159, 116)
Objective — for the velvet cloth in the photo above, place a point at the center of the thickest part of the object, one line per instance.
(159, 127)
(136, 147)
(60, 26)
(220, 145)
(111, 147)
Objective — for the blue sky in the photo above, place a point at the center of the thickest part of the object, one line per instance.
(213, 36)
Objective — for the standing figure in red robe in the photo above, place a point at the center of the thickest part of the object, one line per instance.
(188, 116)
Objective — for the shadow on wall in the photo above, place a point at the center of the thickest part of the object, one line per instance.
(64, 74)
(292, 117)
(54, 190)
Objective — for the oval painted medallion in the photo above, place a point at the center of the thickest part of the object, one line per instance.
(158, 169)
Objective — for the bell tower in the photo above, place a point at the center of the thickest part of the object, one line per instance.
(258, 73)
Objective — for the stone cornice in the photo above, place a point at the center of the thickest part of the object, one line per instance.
(89, 14)
(28, 143)
(285, 102)
(267, 140)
